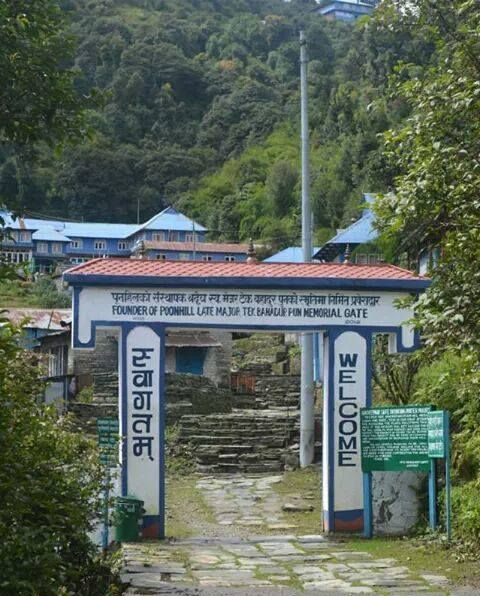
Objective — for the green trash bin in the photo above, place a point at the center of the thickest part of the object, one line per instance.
(128, 519)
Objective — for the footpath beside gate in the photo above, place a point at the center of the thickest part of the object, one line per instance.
(346, 304)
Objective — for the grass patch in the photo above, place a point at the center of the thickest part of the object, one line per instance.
(419, 557)
(185, 504)
(17, 294)
(304, 486)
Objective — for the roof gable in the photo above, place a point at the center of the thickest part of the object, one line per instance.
(171, 219)
(292, 254)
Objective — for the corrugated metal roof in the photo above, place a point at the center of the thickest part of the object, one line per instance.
(52, 235)
(171, 219)
(75, 229)
(131, 268)
(199, 247)
(40, 318)
(168, 219)
(292, 254)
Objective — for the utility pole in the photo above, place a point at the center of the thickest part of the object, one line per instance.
(307, 409)
(194, 238)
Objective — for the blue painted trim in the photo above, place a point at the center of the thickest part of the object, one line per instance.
(125, 330)
(313, 327)
(247, 282)
(368, 510)
(331, 430)
(161, 332)
(348, 515)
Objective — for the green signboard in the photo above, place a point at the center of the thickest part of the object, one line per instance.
(436, 434)
(107, 429)
(395, 439)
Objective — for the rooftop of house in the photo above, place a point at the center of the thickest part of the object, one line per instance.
(361, 231)
(171, 219)
(292, 254)
(212, 247)
(40, 318)
(210, 274)
(168, 219)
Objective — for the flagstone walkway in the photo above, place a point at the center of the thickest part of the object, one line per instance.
(237, 561)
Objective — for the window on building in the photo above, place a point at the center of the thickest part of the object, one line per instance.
(174, 237)
(192, 237)
(99, 245)
(122, 245)
(57, 248)
(184, 256)
(158, 236)
(24, 236)
(161, 257)
(15, 257)
(76, 243)
(229, 258)
(57, 361)
(206, 258)
(42, 247)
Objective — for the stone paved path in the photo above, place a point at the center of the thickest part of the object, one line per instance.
(245, 503)
(237, 561)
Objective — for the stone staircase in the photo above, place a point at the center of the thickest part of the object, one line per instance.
(248, 441)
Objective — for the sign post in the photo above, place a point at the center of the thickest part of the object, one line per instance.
(107, 429)
(392, 439)
(439, 448)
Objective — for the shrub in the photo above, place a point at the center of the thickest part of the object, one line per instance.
(50, 481)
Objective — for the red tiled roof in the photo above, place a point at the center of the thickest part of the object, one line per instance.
(191, 269)
(199, 247)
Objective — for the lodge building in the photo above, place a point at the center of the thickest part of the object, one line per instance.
(169, 235)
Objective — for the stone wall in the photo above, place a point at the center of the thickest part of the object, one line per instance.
(192, 394)
(87, 365)
(218, 362)
(397, 501)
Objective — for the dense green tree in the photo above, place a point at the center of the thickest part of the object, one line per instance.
(281, 185)
(37, 100)
(436, 203)
(50, 481)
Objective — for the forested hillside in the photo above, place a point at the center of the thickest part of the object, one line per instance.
(200, 109)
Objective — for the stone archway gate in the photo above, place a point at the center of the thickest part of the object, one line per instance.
(347, 304)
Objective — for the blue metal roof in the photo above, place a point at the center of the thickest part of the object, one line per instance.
(171, 219)
(168, 219)
(74, 229)
(51, 235)
(292, 254)
(360, 232)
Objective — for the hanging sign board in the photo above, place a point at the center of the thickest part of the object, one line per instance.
(436, 434)
(395, 439)
(107, 429)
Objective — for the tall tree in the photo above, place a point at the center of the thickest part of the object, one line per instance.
(436, 204)
(37, 97)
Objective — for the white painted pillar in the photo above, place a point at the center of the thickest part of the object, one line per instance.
(347, 389)
(142, 423)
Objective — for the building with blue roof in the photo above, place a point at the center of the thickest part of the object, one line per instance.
(361, 232)
(168, 235)
(292, 254)
(347, 10)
